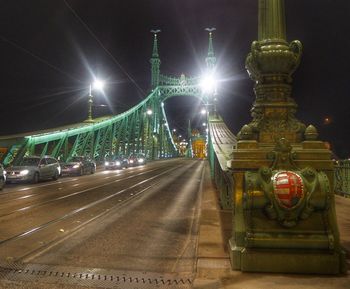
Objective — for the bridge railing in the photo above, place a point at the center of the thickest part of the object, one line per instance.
(220, 145)
(342, 177)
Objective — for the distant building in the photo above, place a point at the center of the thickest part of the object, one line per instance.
(199, 145)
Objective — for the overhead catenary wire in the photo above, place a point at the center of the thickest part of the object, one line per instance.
(104, 48)
(3, 38)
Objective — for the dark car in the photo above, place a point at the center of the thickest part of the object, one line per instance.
(34, 168)
(79, 165)
(116, 162)
(136, 159)
(133, 161)
(2, 177)
(141, 159)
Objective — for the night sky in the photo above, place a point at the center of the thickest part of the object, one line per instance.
(50, 51)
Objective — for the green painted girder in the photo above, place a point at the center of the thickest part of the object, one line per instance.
(187, 90)
(122, 133)
(168, 139)
(62, 143)
(165, 80)
(15, 150)
(102, 142)
(128, 132)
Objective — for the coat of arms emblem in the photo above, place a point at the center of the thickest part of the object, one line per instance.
(288, 189)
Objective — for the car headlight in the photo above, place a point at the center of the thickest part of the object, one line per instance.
(76, 166)
(141, 160)
(118, 163)
(24, 172)
(131, 161)
(106, 163)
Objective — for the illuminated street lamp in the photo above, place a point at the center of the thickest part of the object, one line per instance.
(208, 84)
(149, 111)
(203, 111)
(97, 85)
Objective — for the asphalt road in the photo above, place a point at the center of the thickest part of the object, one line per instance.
(139, 219)
(135, 228)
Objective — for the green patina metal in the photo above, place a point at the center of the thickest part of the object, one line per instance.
(283, 197)
(221, 141)
(268, 233)
(342, 177)
(211, 59)
(133, 131)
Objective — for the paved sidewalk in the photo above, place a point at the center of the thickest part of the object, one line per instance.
(213, 264)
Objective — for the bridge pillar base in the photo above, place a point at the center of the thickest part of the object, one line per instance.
(285, 261)
(283, 209)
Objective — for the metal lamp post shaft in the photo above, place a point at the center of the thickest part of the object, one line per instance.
(90, 101)
(272, 22)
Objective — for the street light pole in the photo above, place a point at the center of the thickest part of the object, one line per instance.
(97, 84)
(90, 101)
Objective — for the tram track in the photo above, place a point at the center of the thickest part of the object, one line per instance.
(32, 254)
(120, 220)
(13, 189)
(41, 213)
(4, 194)
(30, 235)
(25, 208)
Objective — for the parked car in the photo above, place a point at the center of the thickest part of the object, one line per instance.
(2, 177)
(136, 159)
(33, 169)
(78, 165)
(116, 162)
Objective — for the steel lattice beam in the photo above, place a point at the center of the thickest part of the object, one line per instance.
(129, 132)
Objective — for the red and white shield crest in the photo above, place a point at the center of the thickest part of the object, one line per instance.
(288, 188)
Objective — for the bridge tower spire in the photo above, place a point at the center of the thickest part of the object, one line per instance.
(211, 63)
(210, 59)
(155, 60)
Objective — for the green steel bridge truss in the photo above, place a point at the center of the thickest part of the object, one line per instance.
(134, 131)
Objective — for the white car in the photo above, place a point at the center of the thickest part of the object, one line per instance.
(33, 169)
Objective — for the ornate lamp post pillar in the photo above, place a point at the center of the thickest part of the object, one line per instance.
(284, 212)
(270, 64)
